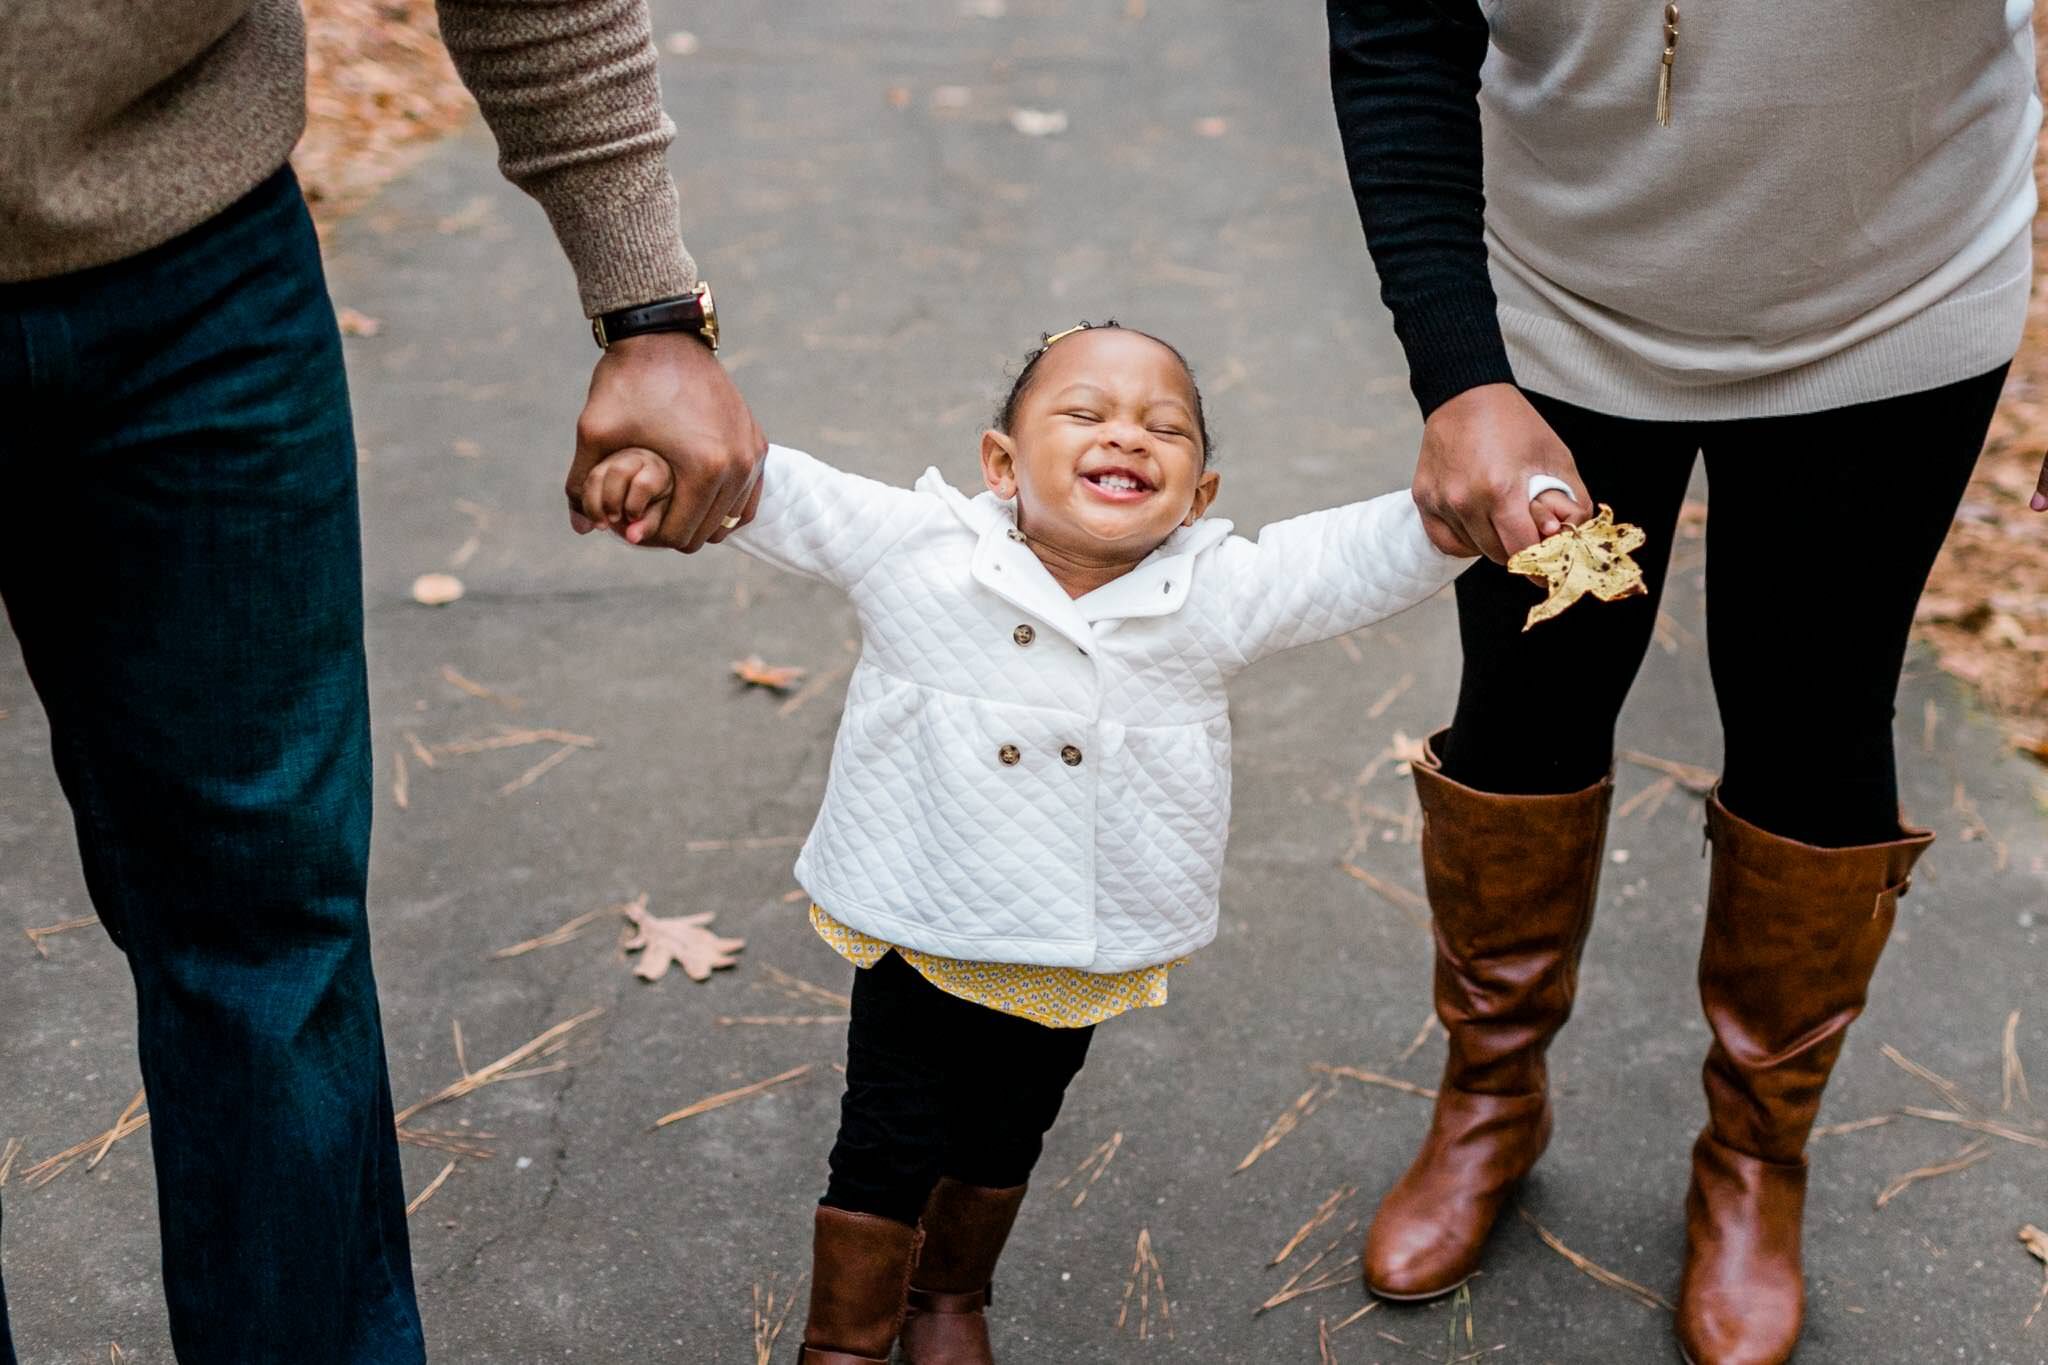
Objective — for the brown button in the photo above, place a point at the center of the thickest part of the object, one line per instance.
(1071, 756)
(1024, 635)
(1009, 754)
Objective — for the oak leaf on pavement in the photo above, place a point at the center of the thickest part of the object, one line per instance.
(670, 940)
(1593, 558)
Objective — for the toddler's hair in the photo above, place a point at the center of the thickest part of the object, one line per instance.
(1006, 413)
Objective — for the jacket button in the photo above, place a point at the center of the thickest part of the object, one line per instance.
(1024, 635)
(1009, 754)
(1071, 756)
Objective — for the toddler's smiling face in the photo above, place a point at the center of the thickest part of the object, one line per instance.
(1104, 451)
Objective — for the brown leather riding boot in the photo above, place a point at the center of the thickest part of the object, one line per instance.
(860, 1272)
(965, 1227)
(1511, 885)
(1793, 935)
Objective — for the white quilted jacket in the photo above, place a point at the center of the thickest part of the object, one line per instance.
(1022, 776)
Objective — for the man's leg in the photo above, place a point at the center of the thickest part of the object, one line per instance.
(1806, 635)
(186, 585)
(1514, 821)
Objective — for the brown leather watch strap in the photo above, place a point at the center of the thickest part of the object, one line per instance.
(694, 313)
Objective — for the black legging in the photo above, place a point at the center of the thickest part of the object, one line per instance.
(940, 1086)
(1824, 528)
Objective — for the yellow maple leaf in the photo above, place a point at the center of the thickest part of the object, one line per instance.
(1592, 558)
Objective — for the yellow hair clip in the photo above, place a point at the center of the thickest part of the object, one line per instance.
(1062, 336)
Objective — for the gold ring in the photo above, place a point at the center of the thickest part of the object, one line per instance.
(730, 522)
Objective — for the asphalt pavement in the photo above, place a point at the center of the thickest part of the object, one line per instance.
(887, 240)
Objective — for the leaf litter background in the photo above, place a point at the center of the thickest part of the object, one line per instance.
(381, 90)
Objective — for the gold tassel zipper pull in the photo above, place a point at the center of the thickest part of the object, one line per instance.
(1664, 70)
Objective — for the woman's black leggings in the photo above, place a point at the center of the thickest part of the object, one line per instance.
(1823, 531)
(940, 1086)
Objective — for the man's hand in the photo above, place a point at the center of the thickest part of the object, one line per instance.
(666, 392)
(1472, 478)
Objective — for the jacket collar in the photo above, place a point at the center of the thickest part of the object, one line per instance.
(1005, 565)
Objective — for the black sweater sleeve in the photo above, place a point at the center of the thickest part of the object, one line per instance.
(1405, 77)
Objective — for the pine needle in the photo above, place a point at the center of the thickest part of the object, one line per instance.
(1695, 779)
(428, 1193)
(2036, 1241)
(2015, 1078)
(401, 786)
(1364, 1077)
(1355, 1316)
(537, 771)
(723, 1098)
(506, 1067)
(36, 936)
(1852, 1126)
(7, 1160)
(1325, 1211)
(1400, 896)
(512, 739)
(113, 1133)
(738, 1020)
(769, 1320)
(558, 935)
(477, 689)
(1600, 1274)
(419, 750)
(1311, 1099)
(1941, 1085)
(1972, 1152)
(1099, 1159)
(1146, 1274)
(801, 989)
(1995, 1129)
(1429, 1026)
(50, 1167)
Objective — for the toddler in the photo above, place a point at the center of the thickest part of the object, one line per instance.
(1024, 824)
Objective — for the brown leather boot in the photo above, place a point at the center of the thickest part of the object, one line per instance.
(965, 1227)
(1511, 885)
(860, 1272)
(1793, 935)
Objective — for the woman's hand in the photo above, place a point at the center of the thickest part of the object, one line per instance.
(1472, 478)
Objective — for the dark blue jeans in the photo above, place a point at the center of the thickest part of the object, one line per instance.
(180, 559)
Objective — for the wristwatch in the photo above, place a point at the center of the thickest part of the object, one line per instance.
(693, 313)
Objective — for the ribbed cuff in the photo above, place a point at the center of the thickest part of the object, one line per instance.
(1453, 343)
(624, 254)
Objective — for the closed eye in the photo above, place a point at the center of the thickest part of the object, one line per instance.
(1081, 415)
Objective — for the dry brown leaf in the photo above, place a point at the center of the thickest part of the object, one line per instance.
(436, 589)
(1593, 558)
(672, 940)
(753, 671)
(354, 324)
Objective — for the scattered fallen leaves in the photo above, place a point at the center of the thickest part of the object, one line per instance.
(1146, 1275)
(36, 936)
(725, 1097)
(379, 90)
(1593, 558)
(672, 940)
(436, 589)
(754, 672)
(1649, 1298)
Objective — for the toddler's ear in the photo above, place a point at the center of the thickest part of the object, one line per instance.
(1205, 495)
(999, 463)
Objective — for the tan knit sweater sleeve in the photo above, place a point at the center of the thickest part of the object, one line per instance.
(571, 91)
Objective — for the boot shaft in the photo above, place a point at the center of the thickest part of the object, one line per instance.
(860, 1279)
(1793, 936)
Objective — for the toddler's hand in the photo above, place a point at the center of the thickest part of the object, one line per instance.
(627, 492)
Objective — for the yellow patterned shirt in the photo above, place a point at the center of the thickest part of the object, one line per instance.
(1058, 997)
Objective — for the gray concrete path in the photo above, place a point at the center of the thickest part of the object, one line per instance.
(881, 262)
